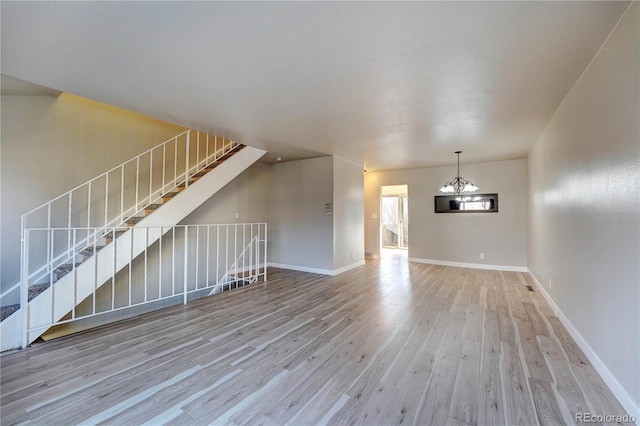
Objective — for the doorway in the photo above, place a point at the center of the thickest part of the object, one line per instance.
(394, 218)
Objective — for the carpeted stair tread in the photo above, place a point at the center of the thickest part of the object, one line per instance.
(88, 252)
(63, 270)
(6, 311)
(109, 235)
(36, 289)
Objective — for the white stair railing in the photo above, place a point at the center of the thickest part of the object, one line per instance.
(123, 192)
(128, 267)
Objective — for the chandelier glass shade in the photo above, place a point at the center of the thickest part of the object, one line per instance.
(458, 185)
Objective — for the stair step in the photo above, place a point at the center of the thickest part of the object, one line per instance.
(151, 208)
(133, 220)
(36, 289)
(63, 270)
(168, 196)
(109, 235)
(6, 311)
(88, 252)
(230, 153)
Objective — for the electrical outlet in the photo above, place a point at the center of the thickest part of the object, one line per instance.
(237, 215)
(549, 282)
(481, 256)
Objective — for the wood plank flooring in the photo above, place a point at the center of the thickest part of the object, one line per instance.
(387, 343)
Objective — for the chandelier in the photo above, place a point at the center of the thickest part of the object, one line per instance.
(458, 185)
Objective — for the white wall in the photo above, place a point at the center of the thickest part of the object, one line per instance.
(584, 208)
(348, 214)
(52, 144)
(448, 237)
(300, 233)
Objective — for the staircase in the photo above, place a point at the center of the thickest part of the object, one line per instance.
(73, 262)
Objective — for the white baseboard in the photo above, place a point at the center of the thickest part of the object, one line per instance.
(348, 267)
(470, 265)
(632, 407)
(373, 256)
(316, 270)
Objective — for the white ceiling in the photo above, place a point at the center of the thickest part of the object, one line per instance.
(383, 84)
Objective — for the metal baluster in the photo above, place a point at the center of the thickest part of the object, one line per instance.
(160, 262)
(164, 164)
(130, 272)
(208, 250)
(24, 284)
(113, 276)
(197, 151)
(206, 152)
(106, 198)
(186, 170)
(135, 208)
(266, 245)
(197, 253)
(146, 245)
(95, 270)
(89, 206)
(217, 254)
(184, 285)
(122, 194)
(74, 272)
(69, 252)
(173, 262)
(175, 163)
(150, 176)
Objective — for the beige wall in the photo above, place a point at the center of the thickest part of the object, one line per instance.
(348, 213)
(584, 206)
(50, 145)
(502, 236)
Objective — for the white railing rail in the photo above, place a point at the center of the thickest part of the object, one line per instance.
(124, 191)
(141, 265)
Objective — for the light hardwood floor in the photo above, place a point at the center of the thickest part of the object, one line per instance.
(387, 343)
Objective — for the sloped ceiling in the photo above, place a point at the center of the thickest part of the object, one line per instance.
(384, 84)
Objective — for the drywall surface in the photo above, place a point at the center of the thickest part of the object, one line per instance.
(348, 213)
(247, 195)
(584, 205)
(457, 237)
(300, 231)
(52, 144)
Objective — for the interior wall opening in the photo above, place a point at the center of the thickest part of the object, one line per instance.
(394, 220)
